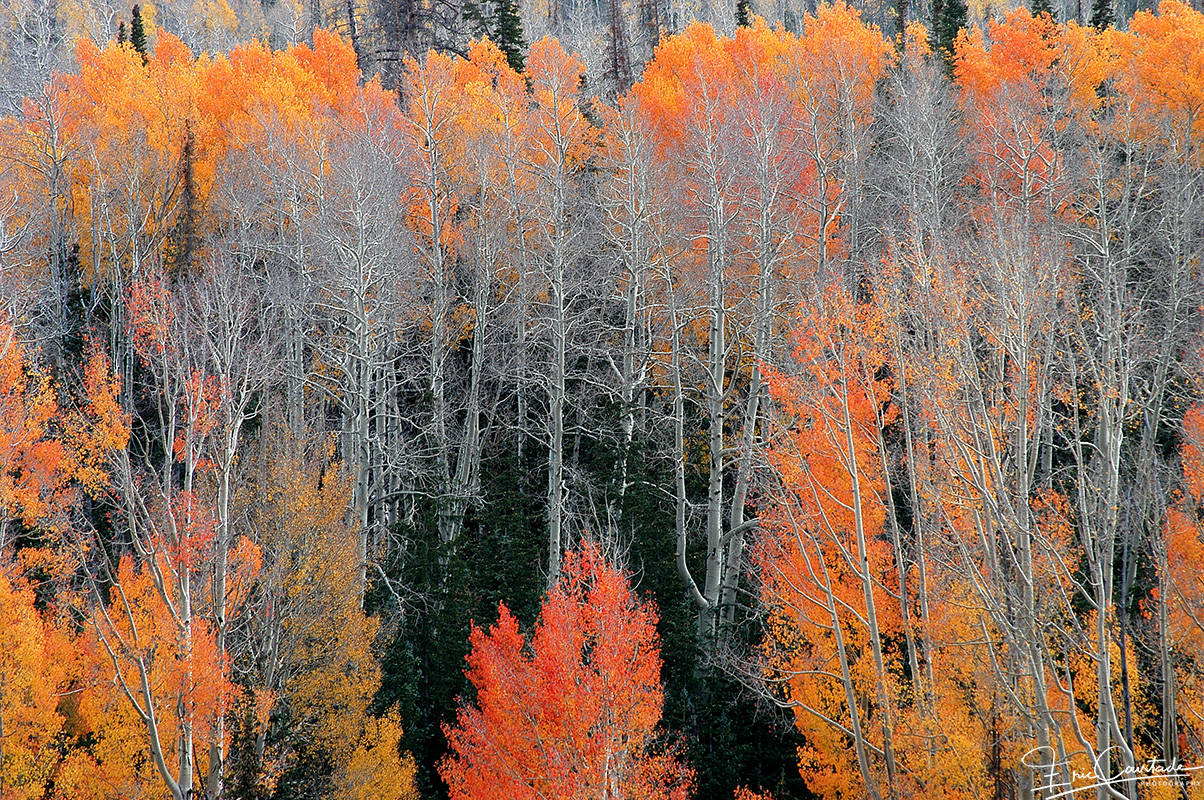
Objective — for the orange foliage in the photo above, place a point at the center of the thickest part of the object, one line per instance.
(435, 122)
(48, 453)
(151, 678)
(716, 105)
(98, 426)
(33, 475)
(314, 665)
(1159, 65)
(839, 403)
(831, 577)
(573, 710)
(823, 530)
(1022, 85)
(572, 713)
(1183, 582)
(34, 659)
(150, 139)
(562, 140)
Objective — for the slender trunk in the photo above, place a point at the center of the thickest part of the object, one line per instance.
(681, 501)
(449, 526)
(716, 417)
(359, 435)
(852, 702)
(762, 333)
(627, 377)
(3, 687)
(867, 586)
(556, 402)
(557, 379)
(1170, 714)
(214, 786)
(468, 458)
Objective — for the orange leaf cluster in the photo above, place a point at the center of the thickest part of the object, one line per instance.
(573, 712)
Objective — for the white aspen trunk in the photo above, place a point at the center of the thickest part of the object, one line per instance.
(716, 414)
(358, 449)
(867, 582)
(633, 261)
(681, 501)
(769, 238)
(468, 458)
(556, 399)
(428, 126)
(217, 749)
(561, 128)
(852, 702)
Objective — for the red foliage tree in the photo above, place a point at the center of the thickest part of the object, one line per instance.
(574, 712)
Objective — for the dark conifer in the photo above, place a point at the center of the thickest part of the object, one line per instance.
(1101, 14)
(1044, 7)
(507, 33)
(901, 22)
(186, 228)
(743, 18)
(138, 34)
(948, 18)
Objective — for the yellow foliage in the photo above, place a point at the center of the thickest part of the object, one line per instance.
(326, 673)
(32, 672)
(32, 475)
(188, 690)
(377, 769)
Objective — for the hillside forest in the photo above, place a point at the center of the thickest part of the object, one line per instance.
(815, 412)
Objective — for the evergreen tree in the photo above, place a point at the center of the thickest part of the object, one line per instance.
(1044, 7)
(422, 663)
(183, 246)
(121, 31)
(743, 19)
(508, 33)
(901, 22)
(471, 12)
(138, 34)
(948, 18)
(1101, 14)
(933, 29)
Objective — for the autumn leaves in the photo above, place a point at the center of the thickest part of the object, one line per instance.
(910, 361)
(573, 712)
(997, 387)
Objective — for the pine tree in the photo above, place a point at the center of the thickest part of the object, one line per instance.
(138, 34)
(185, 234)
(618, 55)
(1044, 7)
(508, 33)
(948, 18)
(901, 22)
(743, 19)
(1101, 14)
(472, 14)
(933, 34)
(121, 31)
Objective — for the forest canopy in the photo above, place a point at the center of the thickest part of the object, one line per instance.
(816, 412)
